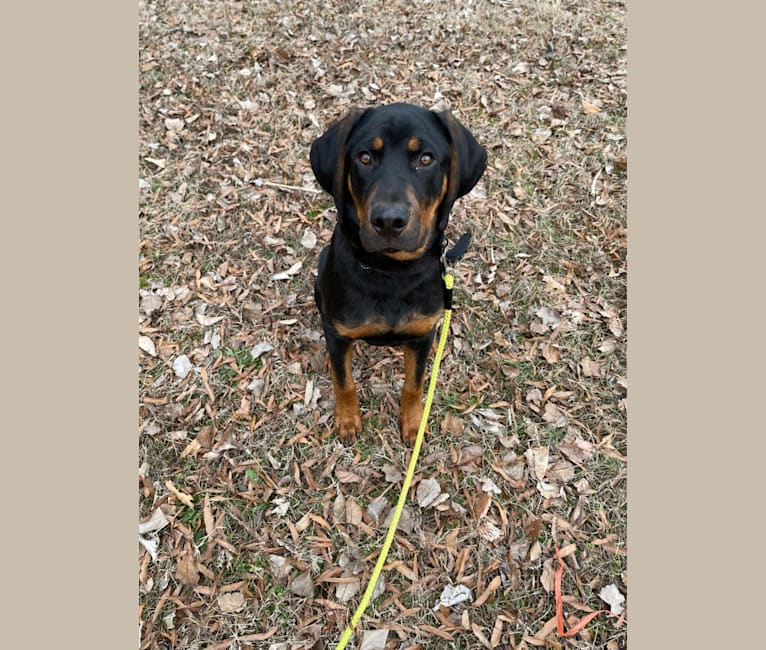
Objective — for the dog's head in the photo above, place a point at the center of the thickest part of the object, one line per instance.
(394, 172)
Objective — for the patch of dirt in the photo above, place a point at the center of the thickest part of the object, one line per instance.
(260, 529)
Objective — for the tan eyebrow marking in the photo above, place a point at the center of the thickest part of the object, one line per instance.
(413, 144)
(377, 143)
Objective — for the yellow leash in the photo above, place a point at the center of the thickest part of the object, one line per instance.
(448, 284)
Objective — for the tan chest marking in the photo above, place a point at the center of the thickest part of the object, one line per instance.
(417, 326)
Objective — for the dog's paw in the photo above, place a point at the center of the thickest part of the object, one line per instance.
(410, 415)
(348, 423)
(409, 425)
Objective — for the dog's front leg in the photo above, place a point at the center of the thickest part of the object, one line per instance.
(415, 357)
(348, 418)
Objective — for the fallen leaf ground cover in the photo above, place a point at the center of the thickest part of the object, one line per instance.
(258, 528)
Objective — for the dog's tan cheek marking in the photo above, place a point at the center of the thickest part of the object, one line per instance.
(453, 163)
(360, 209)
(429, 209)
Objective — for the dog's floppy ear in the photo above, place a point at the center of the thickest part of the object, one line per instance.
(328, 154)
(468, 160)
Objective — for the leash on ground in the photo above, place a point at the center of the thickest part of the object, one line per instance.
(448, 284)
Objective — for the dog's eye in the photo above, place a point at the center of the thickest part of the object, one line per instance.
(426, 159)
(365, 157)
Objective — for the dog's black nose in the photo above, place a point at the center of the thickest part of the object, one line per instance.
(390, 220)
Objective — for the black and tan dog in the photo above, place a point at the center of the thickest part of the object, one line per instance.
(394, 172)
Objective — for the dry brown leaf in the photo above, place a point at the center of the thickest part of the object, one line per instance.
(548, 317)
(259, 636)
(562, 470)
(205, 437)
(567, 550)
(338, 507)
(427, 492)
(186, 570)
(546, 578)
(489, 531)
(181, 496)
(577, 449)
(583, 487)
(392, 473)
(377, 507)
(488, 591)
(551, 353)
(191, 449)
(353, 512)
(302, 585)
(537, 459)
(345, 591)
(550, 489)
(452, 425)
(589, 108)
(430, 629)
(545, 631)
(345, 476)
(479, 634)
(482, 504)
(607, 346)
(497, 632)
(374, 640)
(406, 522)
(157, 162)
(533, 528)
(534, 396)
(553, 416)
(231, 602)
(540, 135)
(537, 327)
(303, 523)
(207, 517)
(406, 571)
(208, 321)
(591, 368)
(286, 275)
(155, 523)
(280, 567)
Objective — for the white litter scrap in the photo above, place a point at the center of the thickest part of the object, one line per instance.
(147, 532)
(452, 596)
(147, 345)
(374, 640)
(182, 366)
(612, 596)
(286, 275)
(260, 348)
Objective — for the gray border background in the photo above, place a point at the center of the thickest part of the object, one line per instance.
(696, 357)
(695, 351)
(69, 279)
